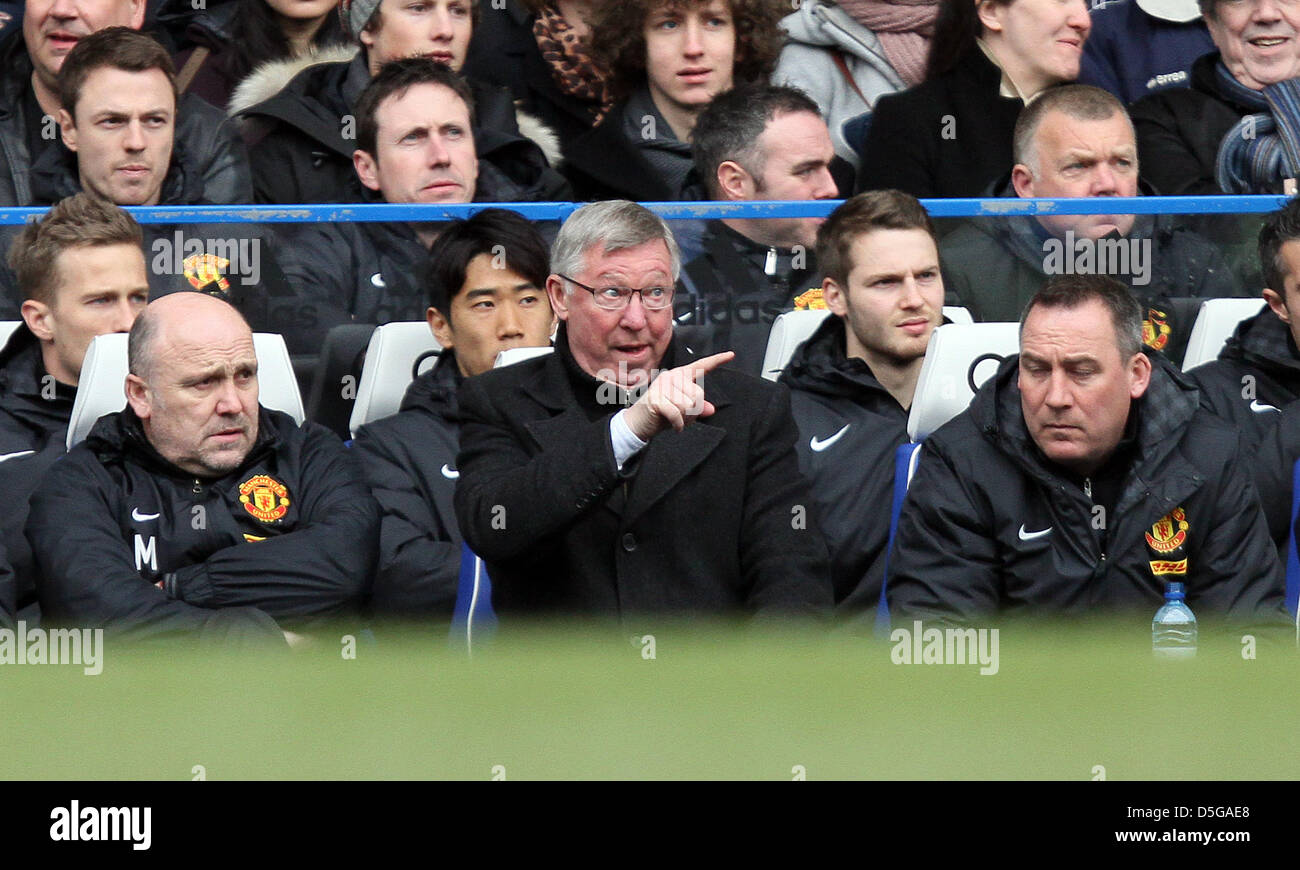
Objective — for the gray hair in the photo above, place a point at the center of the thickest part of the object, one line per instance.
(1071, 291)
(1076, 102)
(613, 225)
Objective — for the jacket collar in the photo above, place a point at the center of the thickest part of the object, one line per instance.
(121, 436)
(1265, 342)
(1167, 408)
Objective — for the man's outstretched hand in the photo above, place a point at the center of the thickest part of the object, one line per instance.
(675, 398)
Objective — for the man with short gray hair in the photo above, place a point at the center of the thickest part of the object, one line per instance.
(199, 512)
(1077, 141)
(620, 475)
(1081, 480)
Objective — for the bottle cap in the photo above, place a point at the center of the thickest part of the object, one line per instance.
(1174, 591)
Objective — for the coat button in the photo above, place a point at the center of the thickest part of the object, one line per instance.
(629, 542)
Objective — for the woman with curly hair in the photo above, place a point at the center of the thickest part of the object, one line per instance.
(951, 135)
(667, 59)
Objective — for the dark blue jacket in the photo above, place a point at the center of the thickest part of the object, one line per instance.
(1132, 54)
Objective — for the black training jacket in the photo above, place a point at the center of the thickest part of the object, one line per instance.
(290, 535)
(849, 430)
(410, 462)
(989, 527)
(34, 412)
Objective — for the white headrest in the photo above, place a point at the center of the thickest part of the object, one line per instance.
(7, 330)
(789, 330)
(1214, 325)
(512, 355)
(102, 386)
(386, 375)
(961, 356)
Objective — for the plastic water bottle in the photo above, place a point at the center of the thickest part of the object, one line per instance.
(1173, 631)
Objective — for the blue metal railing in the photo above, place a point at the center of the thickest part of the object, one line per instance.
(939, 208)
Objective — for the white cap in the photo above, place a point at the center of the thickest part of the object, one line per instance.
(1178, 11)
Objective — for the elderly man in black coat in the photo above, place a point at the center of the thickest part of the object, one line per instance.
(606, 478)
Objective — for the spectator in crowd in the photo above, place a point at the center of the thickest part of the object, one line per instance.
(30, 103)
(82, 274)
(1255, 383)
(486, 282)
(300, 115)
(851, 384)
(1138, 47)
(231, 39)
(414, 145)
(951, 135)
(1081, 480)
(667, 61)
(199, 512)
(756, 142)
(118, 123)
(1077, 141)
(541, 51)
(588, 475)
(1232, 131)
(847, 55)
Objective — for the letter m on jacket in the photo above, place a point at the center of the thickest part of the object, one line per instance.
(146, 553)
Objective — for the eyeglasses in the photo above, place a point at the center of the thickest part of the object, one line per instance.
(616, 298)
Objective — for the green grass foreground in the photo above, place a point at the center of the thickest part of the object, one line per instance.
(576, 702)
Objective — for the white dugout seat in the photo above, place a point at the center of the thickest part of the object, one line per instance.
(102, 387)
(1215, 323)
(390, 367)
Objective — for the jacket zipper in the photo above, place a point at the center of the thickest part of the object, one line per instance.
(1087, 490)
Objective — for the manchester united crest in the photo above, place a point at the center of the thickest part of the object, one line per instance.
(203, 270)
(265, 498)
(810, 300)
(1155, 330)
(1166, 542)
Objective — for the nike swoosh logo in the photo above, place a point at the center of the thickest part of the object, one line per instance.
(449, 472)
(819, 445)
(377, 279)
(5, 456)
(142, 518)
(1259, 407)
(1030, 536)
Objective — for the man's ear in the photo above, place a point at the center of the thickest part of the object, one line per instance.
(137, 14)
(1141, 375)
(367, 168)
(441, 327)
(988, 13)
(734, 183)
(37, 316)
(1278, 305)
(835, 297)
(68, 129)
(555, 292)
(1022, 180)
(137, 396)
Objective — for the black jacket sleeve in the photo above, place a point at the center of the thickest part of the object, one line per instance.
(8, 593)
(944, 564)
(509, 503)
(222, 156)
(86, 575)
(322, 568)
(419, 543)
(1169, 160)
(1273, 467)
(893, 154)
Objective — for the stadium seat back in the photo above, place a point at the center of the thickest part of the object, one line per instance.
(512, 355)
(389, 369)
(1214, 325)
(336, 376)
(7, 330)
(102, 387)
(961, 356)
